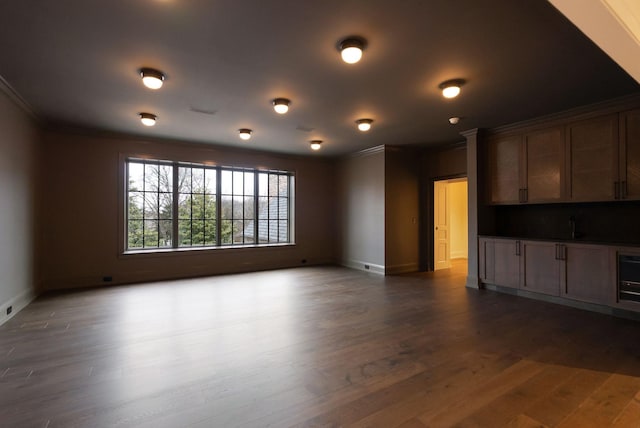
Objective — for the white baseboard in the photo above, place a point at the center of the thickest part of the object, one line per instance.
(17, 303)
(364, 266)
(459, 255)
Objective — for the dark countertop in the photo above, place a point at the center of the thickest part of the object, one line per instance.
(566, 241)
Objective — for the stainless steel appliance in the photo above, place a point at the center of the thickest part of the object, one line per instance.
(629, 278)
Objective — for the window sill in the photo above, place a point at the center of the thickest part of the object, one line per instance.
(191, 250)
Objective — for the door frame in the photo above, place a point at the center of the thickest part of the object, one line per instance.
(427, 256)
(441, 205)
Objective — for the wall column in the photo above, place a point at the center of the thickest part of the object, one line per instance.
(473, 198)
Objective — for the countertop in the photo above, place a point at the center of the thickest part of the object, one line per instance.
(567, 241)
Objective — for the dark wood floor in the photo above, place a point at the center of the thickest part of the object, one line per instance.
(315, 347)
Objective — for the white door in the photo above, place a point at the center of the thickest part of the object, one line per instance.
(441, 237)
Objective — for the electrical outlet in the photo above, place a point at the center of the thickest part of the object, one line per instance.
(366, 267)
(9, 309)
(107, 279)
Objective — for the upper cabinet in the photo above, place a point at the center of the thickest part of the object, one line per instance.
(544, 165)
(592, 147)
(630, 155)
(527, 168)
(591, 160)
(504, 170)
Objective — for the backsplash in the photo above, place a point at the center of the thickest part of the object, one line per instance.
(616, 222)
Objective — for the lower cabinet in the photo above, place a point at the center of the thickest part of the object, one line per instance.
(541, 267)
(588, 273)
(507, 262)
(575, 271)
(499, 261)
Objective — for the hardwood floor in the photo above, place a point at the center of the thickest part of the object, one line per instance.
(315, 347)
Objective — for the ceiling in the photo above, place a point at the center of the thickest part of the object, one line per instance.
(75, 63)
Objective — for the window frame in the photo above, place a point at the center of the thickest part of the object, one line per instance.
(176, 245)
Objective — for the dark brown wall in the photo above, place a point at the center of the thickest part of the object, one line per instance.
(82, 226)
(401, 210)
(440, 163)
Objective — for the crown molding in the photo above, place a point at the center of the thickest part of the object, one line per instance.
(366, 152)
(14, 96)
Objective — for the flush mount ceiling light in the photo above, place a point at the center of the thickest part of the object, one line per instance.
(148, 119)
(364, 124)
(451, 88)
(351, 49)
(316, 144)
(454, 120)
(281, 105)
(151, 78)
(245, 133)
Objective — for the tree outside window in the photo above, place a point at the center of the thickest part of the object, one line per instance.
(205, 206)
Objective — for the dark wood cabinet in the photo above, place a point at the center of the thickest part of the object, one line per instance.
(504, 159)
(486, 260)
(629, 155)
(587, 273)
(584, 272)
(544, 165)
(591, 160)
(592, 153)
(506, 268)
(541, 267)
(499, 262)
(527, 168)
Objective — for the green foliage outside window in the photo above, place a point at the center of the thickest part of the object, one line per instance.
(150, 206)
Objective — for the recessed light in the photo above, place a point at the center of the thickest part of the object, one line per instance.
(281, 105)
(148, 119)
(152, 78)
(245, 133)
(451, 88)
(316, 144)
(351, 49)
(364, 124)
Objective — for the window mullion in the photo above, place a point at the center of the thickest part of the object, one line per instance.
(256, 192)
(191, 204)
(144, 202)
(175, 205)
(218, 206)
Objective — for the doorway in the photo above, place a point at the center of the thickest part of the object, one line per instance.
(450, 222)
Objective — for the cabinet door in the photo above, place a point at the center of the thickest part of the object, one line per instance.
(587, 273)
(540, 267)
(593, 158)
(630, 155)
(544, 165)
(486, 260)
(507, 262)
(504, 157)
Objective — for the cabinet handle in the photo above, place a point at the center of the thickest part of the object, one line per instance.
(563, 252)
(520, 195)
(623, 189)
(526, 194)
(517, 248)
(616, 190)
(557, 251)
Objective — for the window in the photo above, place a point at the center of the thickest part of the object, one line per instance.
(178, 205)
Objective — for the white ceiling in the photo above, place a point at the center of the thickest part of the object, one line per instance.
(614, 25)
(75, 63)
